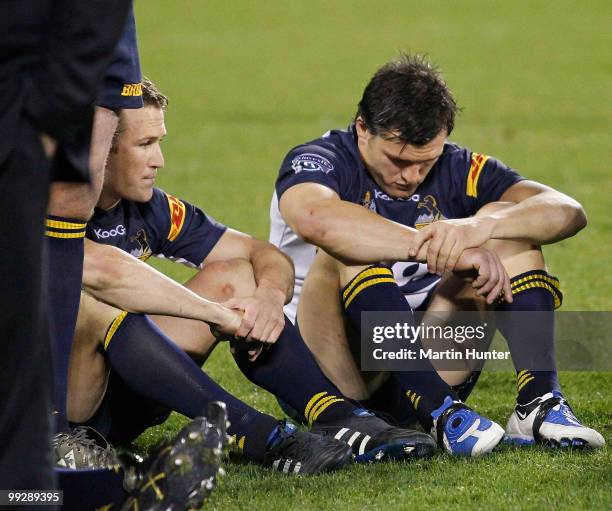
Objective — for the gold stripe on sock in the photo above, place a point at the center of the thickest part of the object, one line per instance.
(312, 401)
(523, 377)
(543, 276)
(315, 415)
(416, 403)
(531, 285)
(377, 270)
(59, 224)
(525, 382)
(365, 285)
(320, 403)
(113, 328)
(53, 234)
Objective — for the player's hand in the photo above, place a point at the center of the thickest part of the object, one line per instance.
(226, 328)
(227, 324)
(492, 279)
(448, 239)
(263, 319)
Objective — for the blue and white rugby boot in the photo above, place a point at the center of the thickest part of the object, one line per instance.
(549, 420)
(463, 432)
(372, 439)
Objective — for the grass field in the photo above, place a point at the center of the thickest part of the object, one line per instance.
(249, 80)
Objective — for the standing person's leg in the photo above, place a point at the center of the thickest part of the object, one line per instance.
(26, 379)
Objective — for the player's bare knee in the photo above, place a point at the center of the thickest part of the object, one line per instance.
(223, 280)
(93, 321)
(348, 273)
(517, 256)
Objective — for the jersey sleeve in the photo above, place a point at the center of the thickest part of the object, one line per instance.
(313, 164)
(486, 180)
(122, 83)
(186, 234)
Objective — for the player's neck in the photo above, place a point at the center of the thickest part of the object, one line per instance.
(107, 200)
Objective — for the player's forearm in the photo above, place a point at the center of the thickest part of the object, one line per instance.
(544, 218)
(123, 281)
(273, 271)
(354, 234)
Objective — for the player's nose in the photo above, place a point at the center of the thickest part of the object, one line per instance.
(410, 174)
(157, 158)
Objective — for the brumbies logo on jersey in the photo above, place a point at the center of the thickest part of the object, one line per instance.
(428, 212)
(143, 252)
(177, 217)
(368, 201)
(311, 163)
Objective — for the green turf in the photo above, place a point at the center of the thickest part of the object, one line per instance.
(248, 80)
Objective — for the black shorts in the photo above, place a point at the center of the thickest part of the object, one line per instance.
(124, 414)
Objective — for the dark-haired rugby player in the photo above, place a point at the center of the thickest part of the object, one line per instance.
(396, 209)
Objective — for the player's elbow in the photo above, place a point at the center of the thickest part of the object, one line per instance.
(311, 226)
(100, 270)
(577, 215)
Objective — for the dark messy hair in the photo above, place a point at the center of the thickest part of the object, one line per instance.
(407, 100)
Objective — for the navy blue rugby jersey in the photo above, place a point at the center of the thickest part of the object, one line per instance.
(164, 227)
(457, 186)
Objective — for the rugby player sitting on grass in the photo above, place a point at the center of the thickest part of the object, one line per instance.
(395, 209)
(126, 374)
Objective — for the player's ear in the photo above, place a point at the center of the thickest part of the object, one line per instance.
(360, 127)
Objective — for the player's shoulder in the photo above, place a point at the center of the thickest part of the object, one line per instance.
(331, 150)
(455, 155)
(463, 160)
(165, 213)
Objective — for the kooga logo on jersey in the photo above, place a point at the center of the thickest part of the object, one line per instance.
(117, 231)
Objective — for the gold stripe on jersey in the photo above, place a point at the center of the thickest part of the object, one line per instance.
(177, 217)
(476, 166)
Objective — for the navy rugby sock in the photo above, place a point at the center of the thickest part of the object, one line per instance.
(375, 289)
(531, 338)
(65, 250)
(152, 365)
(89, 489)
(290, 372)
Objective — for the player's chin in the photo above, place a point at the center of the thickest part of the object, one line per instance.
(401, 193)
(144, 194)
